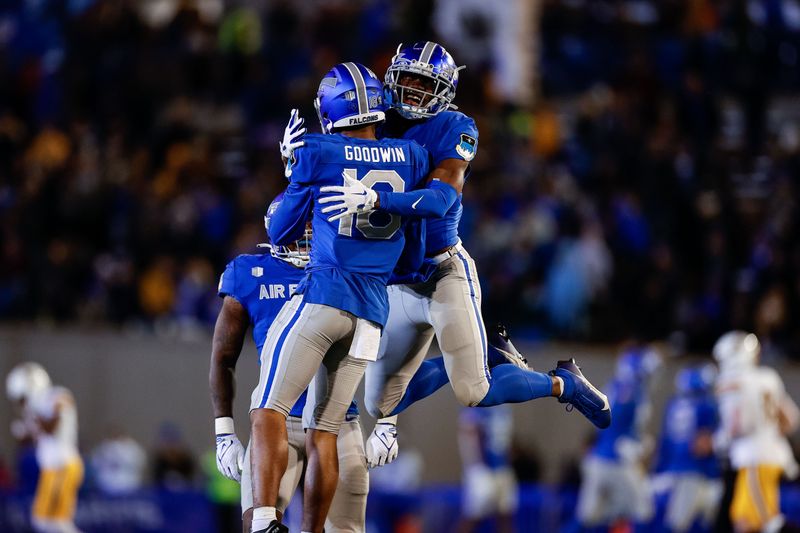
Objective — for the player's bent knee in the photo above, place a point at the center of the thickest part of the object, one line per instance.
(321, 431)
(470, 395)
(259, 415)
(353, 474)
(263, 421)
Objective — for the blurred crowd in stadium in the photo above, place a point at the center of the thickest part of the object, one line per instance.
(647, 185)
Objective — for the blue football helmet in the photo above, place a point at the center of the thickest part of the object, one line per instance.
(695, 379)
(436, 77)
(637, 363)
(350, 95)
(300, 254)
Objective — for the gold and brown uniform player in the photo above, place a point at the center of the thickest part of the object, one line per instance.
(49, 417)
(756, 415)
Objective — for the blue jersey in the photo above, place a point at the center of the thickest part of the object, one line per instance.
(262, 284)
(447, 135)
(628, 400)
(685, 418)
(494, 426)
(352, 258)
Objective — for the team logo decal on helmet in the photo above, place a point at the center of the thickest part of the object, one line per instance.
(421, 81)
(350, 95)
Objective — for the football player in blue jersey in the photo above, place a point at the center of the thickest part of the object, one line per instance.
(254, 288)
(488, 484)
(325, 335)
(420, 86)
(614, 486)
(686, 459)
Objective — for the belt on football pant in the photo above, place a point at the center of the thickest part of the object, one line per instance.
(447, 254)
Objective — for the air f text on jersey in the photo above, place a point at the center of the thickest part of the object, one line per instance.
(275, 290)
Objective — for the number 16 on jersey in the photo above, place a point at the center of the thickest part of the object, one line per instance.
(376, 224)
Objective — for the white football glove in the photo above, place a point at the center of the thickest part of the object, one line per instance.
(382, 447)
(354, 198)
(292, 139)
(230, 452)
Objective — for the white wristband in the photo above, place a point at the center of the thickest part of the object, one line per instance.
(223, 425)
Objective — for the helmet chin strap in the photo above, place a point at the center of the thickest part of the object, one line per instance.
(299, 262)
(295, 260)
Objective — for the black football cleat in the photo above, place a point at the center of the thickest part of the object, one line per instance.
(502, 350)
(274, 527)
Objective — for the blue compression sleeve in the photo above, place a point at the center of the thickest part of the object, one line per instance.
(429, 378)
(511, 384)
(433, 201)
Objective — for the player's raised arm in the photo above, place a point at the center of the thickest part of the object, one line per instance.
(288, 222)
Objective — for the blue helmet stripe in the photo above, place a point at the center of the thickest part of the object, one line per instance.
(427, 52)
(361, 87)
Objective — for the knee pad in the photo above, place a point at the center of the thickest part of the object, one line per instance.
(353, 474)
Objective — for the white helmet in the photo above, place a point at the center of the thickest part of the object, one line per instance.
(26, 380)
(737, 349)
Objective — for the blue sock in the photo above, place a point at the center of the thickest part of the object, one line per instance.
(511, 384)
(430, 377)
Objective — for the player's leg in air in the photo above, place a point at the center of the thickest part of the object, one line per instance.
(499, 375)
(455, 313)
(399, 378)
(430, 376)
